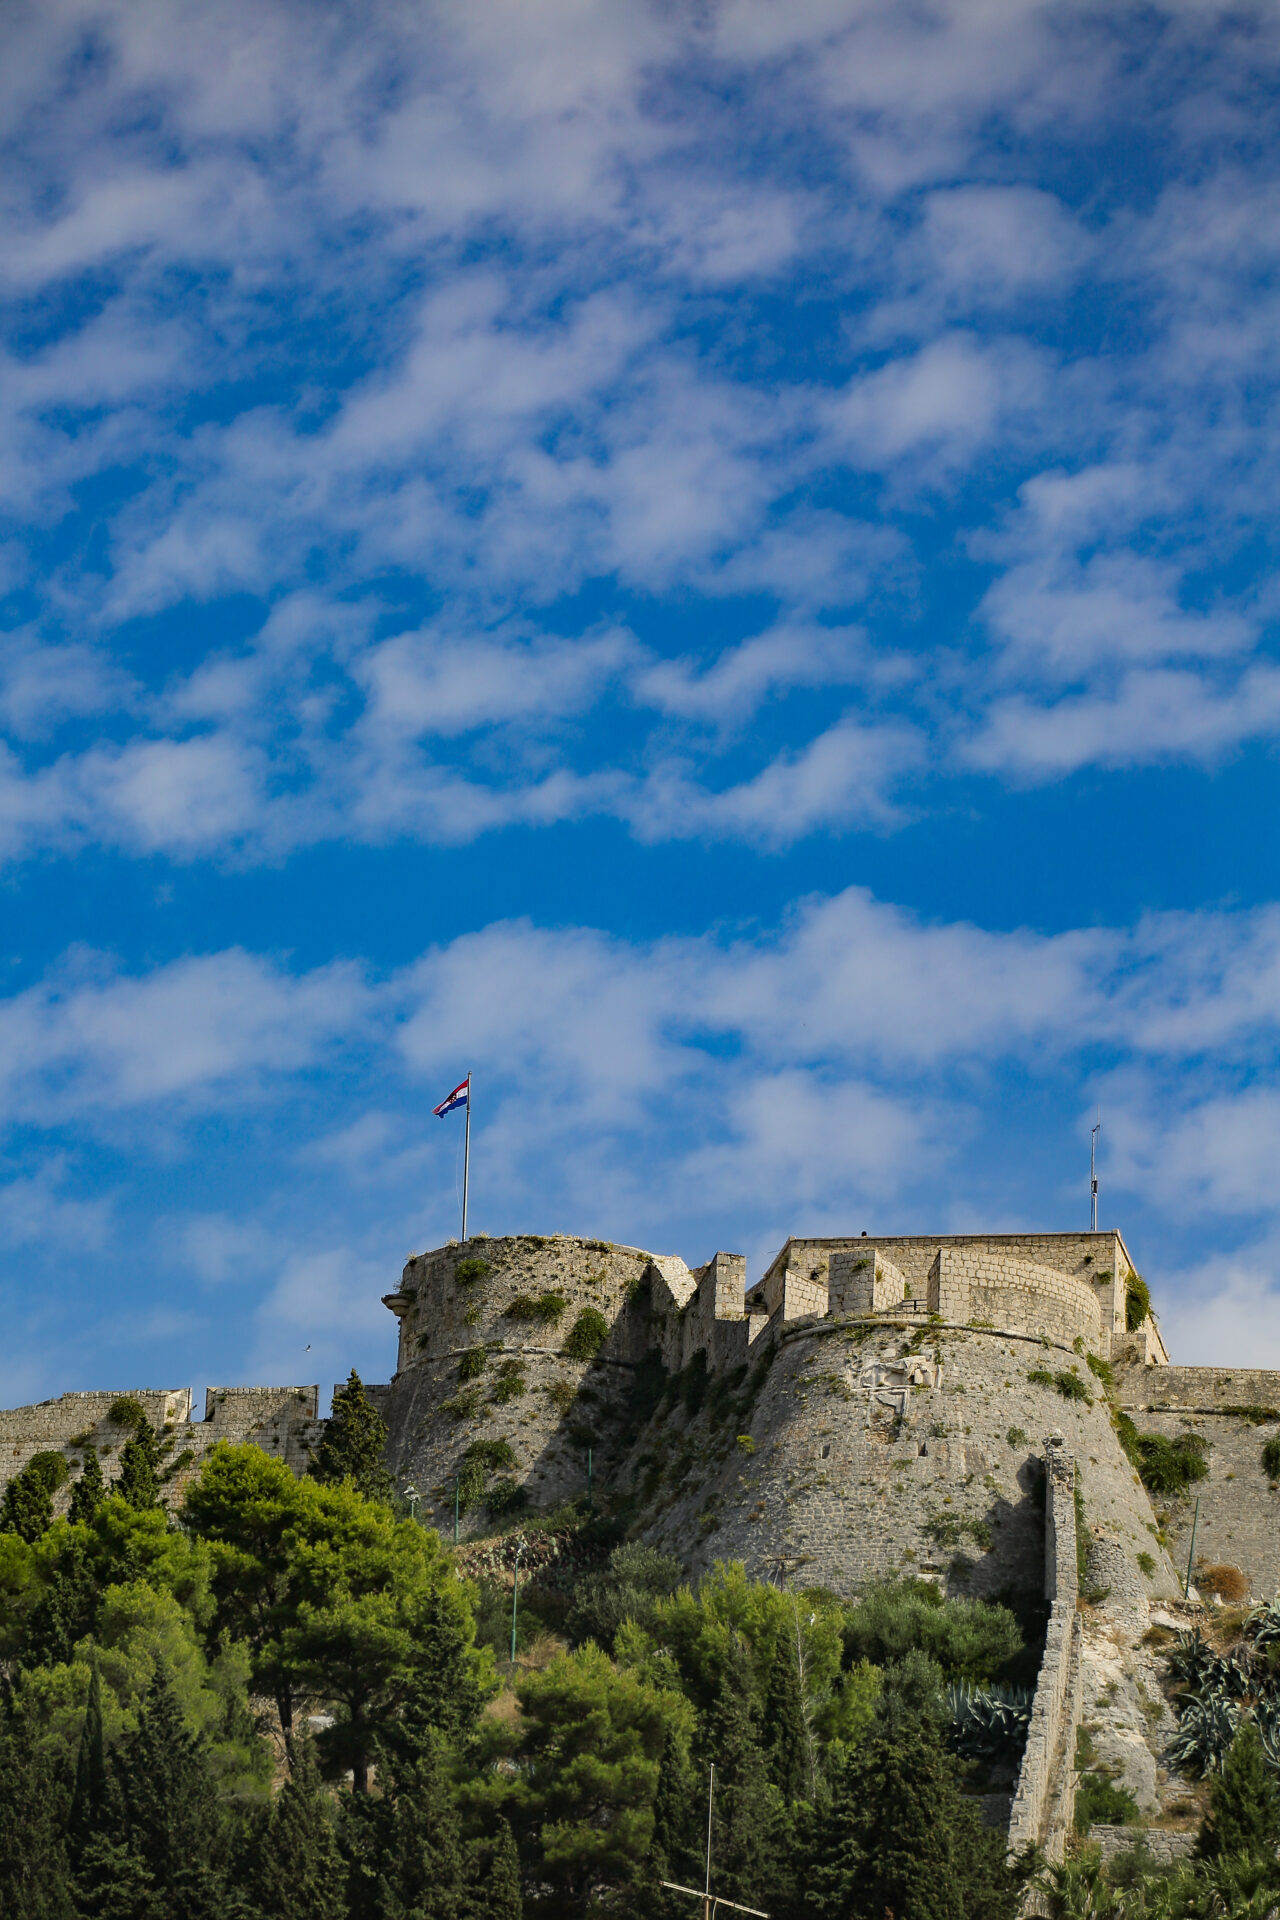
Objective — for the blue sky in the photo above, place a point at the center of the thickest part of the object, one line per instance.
(712, 564)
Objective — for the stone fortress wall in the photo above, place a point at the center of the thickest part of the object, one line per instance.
(281, 1420)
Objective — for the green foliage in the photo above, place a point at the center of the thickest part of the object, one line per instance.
(1271, 1457)
(510, 1384)
(139, 1479)
(1101, 1370)
(1147, 1563)
(1137, 1301)
(1250, 1410)
(973, 1640)
(1244, 1806)
(1066, 1380)
(472, 1363)
(468, 1271)
(127, 1411)
(1169, 1467)
(27, 1507)
(354, 1442)
(548, 1308)
(1016, 1437)
(635, 1579)
(587, 1335)
(1100, 1801)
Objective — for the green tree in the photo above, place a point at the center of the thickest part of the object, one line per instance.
(901, 1840)
(27, 1507)
(34, 1876)
(139, 1481)
(790, 1741)
(66, 1609)
(729, 1740)
(354, 1442)
(578, 1776)
(496, 1877)
(89, 1798)
(1243, 1816)
(170, 1818)
(424, 1868)
(297, 1871)
(89, 1491)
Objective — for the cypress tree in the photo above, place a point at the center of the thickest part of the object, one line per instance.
(1244, 1807)
(424, 1873)
(788, 1726)
(742, 1810)
(34, 1881)
(353, 1443)
(89, 1491)
(900, 1840)
(64, 1613)
(27, 1507)
(89, 1798)
(114, 1883)
(497, 1894)
(166, 1788)
(673, 1849)
(298, 1873)
(139, 1481)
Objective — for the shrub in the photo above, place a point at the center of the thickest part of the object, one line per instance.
(491, 1453)
(1256, 1416)
(1100, 1369)
(468, 1271)
(693, 1383)
(974, 1640)
(1271, 1457)
(547, 1308)
(510, 1383)
(464, 1405)
(1170, 1466)
(1137, 1301)
(746, 1443)
(1227, 1582)
(128, 1412)
(561, 1394)
(1068, 1384)
(472, 1363)
(1098, 1798)
(587, 1335)
(1147, 1563)
(1016, 1437)
(506, 1496)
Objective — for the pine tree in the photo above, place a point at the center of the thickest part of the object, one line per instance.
(89, 1491)
(354, 1441)
(114, 1883)
(1244, 1807)
(34, 1881)
(299, 1873)
(139, 1481)
(787, 1726)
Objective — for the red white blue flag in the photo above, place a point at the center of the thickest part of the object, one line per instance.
(458, 1098)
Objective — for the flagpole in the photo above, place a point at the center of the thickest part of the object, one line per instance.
(466, 1161)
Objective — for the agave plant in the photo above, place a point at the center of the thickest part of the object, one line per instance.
(1207, 1725)
(1262, 1627)
(1206, 1671)
(987, 1721)
(1266, 1717)
(1190, 1657)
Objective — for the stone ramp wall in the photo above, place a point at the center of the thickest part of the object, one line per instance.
(1043, 1799)
(1239, 1523)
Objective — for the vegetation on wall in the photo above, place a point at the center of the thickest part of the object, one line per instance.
(587, 1335)
(1137, 1301)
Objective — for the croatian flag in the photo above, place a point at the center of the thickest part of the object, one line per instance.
(458, 1098)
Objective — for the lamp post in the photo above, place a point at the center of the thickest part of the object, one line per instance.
(412, 1495)
(515, 1601)
(457, 1500)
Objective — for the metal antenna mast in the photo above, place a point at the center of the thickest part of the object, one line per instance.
(1093, 1173)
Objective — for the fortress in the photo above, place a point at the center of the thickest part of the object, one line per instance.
(942, 1405)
